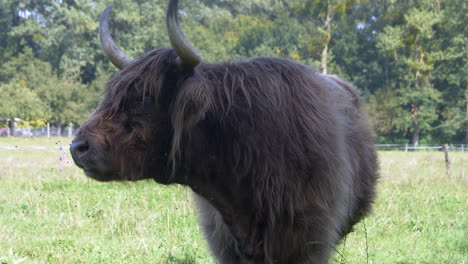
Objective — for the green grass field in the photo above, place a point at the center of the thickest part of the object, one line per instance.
(50, 214)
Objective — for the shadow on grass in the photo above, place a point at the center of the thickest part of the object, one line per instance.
(186, 259)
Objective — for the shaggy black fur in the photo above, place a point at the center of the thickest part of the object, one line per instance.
(280, 157)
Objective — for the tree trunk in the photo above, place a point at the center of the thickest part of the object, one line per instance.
(70, 130)
(327, 25)
(59, 129)
(415, 136)
(415, 133)
(324, 58)
(466, 125)
(387, 81)
(11, 127)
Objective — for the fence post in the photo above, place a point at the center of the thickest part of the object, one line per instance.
(447, 160)
(406, 147)
(61, 158)
(48, 130)
(463, 148)
(70, 129)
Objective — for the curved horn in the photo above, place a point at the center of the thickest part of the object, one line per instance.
(189, 57)
(114, 54)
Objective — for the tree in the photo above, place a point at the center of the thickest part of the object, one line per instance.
(417, 98)
(450, 72)
(20, 101)
(408, 58)
(38, 92)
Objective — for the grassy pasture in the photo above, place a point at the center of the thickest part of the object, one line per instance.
(53, 216)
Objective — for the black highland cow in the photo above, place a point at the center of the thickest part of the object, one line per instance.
(280, 157)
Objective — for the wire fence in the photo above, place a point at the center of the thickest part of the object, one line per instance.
(383, 147)
(408, 147)
(34, 147)
(68, 131)
(38, 132)
(446, 148)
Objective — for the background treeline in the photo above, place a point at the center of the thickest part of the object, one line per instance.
(409, 58)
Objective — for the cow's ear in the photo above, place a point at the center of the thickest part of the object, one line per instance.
(192, 102)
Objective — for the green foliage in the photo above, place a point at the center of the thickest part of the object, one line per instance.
(390, 41)
(413, 47)
(409, 59)
(36, 92)
(416, 109)
(23, 102)
(383, 112)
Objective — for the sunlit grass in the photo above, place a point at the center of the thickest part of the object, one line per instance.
(420, 213)
(51, 213)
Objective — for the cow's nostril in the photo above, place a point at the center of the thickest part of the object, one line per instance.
(79, 147)
(83, 147)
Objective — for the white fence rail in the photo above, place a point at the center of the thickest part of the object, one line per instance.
(49, 131)
(403, 147)
(33, 147)
(407, 147)
(62, 149)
